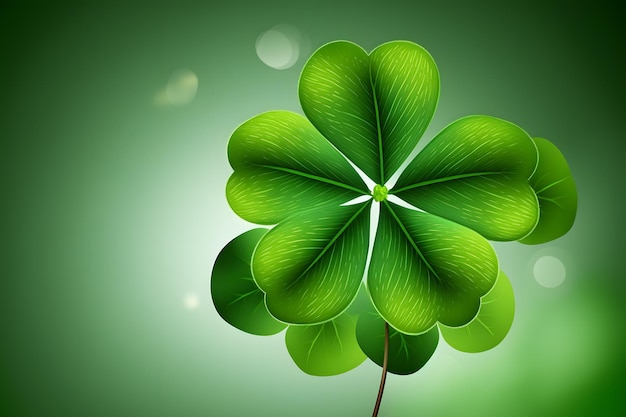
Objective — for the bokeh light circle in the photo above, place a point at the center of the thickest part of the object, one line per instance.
(279, 47)
(549, 271)
(182, 87)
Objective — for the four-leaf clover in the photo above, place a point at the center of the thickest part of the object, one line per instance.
(429, 266)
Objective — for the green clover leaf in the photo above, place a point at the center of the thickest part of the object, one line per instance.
(328, 348)
(555, 189)
(406, 353)
(425, 269)
(429, 266)
(235, 295)
(491, 324)
(311, 265)
(475, 172)
(283, 165)
(373, 108)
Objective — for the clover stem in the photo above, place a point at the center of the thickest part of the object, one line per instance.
(381, 388)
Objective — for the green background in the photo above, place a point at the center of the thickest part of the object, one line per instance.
(113, 207)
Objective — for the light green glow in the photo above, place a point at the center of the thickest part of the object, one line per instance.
(131, 225)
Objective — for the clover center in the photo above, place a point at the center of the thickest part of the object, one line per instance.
(380, 193)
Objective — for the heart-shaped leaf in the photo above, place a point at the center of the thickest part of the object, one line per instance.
(426, 269)
(407, 353)
(282, 166)
(558, 200)
(491, 324)
(311, 264)
(235, 294)
(373, 108)
(475, 173)
(328, 348)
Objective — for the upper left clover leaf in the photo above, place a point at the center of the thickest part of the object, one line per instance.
(283, 165)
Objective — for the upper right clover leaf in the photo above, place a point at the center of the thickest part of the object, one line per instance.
(431, 265)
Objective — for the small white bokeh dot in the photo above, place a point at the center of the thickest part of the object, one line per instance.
(549, 271)
(191, 301)
(279, 47)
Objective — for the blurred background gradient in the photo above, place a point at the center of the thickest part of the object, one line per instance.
(114, 125)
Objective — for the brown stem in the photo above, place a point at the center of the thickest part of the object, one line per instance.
(381, 388)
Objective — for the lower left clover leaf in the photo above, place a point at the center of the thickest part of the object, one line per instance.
(235, 294)
(324, 349)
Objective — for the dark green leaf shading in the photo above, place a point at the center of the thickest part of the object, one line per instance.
(328, 348)
(311, 265)
(373, 108)
(407, 353)
(235, 295)
(492, 323)
(426, 269)
(282, 166)
(475, 172)
(556, 192)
